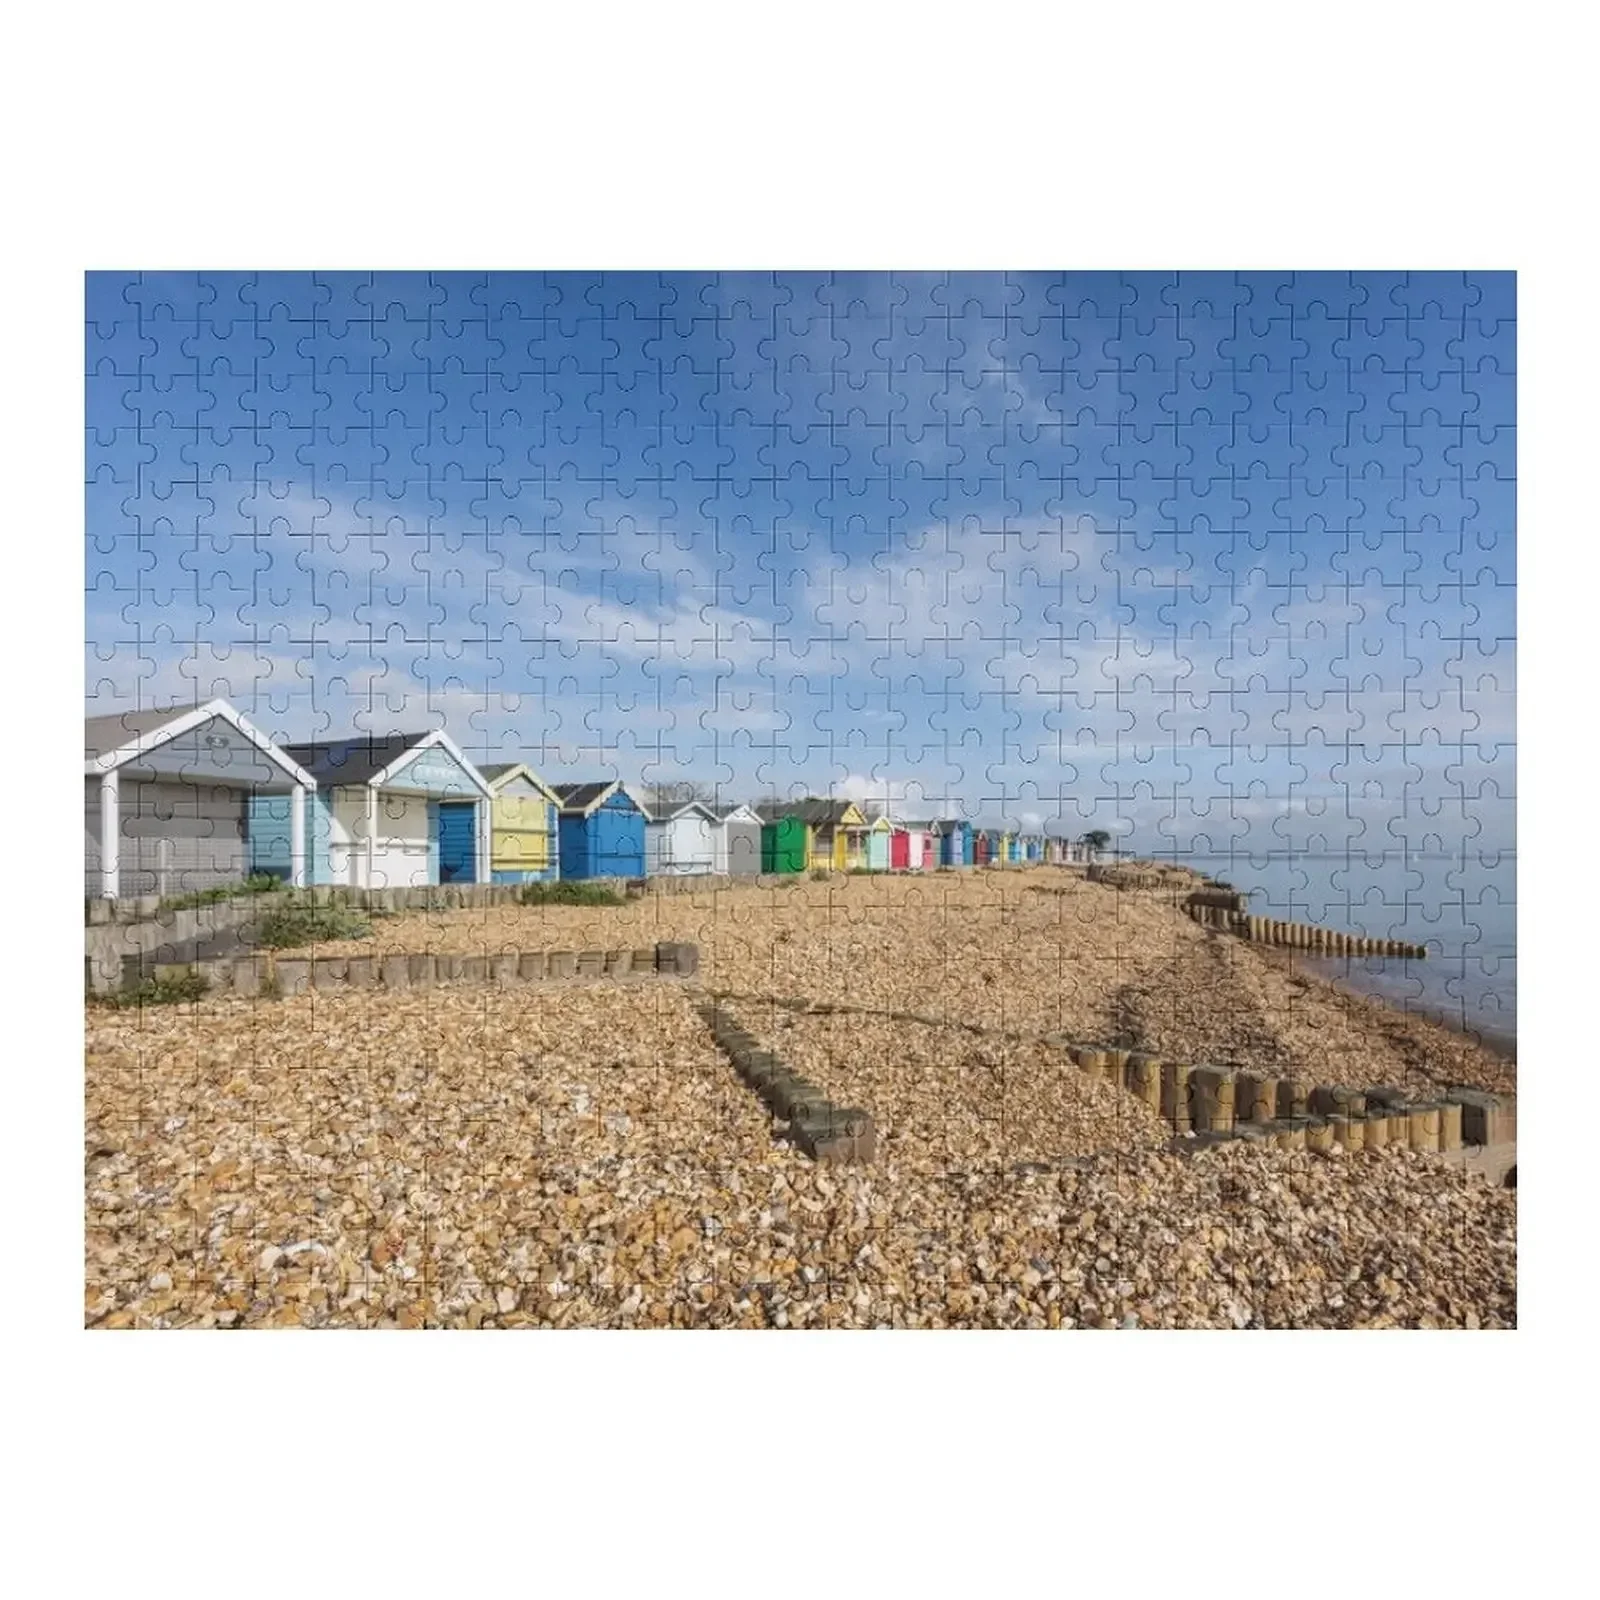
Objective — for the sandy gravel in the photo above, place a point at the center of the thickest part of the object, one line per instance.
(585, 1157)
(1028, 949)
(942, 1096)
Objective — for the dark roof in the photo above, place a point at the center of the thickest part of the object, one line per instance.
(352, 761)
(817, 813)
(580, 796)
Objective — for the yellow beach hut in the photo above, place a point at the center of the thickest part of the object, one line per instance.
(523, 845)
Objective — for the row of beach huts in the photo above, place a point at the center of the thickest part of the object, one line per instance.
(188, 797)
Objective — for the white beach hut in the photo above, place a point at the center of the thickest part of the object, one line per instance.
(682, 844)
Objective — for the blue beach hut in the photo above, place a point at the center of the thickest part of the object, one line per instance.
(600, 829)
(955, 844)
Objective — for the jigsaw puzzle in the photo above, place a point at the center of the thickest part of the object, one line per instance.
(800, 800)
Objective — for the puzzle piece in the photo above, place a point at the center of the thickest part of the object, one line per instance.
(419, 601)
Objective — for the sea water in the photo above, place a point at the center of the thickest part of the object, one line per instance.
(1463, 908)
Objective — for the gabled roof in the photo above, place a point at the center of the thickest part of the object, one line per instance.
(112, 741)
(584, 799)
(737, 813)
(816, 813)
(684, 810)
(375, 759)
(349, 761)
(500, 773)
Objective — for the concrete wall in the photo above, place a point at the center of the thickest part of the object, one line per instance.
(106, 945)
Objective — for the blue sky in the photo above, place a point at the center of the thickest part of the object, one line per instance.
(1226, 560)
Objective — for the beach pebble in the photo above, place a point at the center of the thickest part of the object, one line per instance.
(591, 1143)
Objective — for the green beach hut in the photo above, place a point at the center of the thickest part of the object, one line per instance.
(785, 845)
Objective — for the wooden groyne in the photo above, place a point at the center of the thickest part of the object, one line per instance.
(1225, 910)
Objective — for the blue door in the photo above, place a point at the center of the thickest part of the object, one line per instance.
(458, 860)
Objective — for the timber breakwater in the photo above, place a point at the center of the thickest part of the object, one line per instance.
(1216, 905)
(1227, 910)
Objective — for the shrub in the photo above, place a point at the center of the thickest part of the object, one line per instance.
(820, 874)
(256, 883)
(290, 926)
(167, 991)
(567, 893)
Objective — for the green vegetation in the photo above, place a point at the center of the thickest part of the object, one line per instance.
(565, 893)
(170, 990)
(291, 926)
(256, 883)
(1096, 839)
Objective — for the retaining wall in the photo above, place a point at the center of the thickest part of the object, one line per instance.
(1205, 1104)
(109, 944)
(825, 1131)
(276, 976)
(1219, 1103)
(1144, 875)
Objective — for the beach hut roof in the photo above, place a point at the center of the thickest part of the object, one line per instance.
(584, 799)
(119, 737)
(498, 774)
(692, 806)
(818, 813)
(375, 759)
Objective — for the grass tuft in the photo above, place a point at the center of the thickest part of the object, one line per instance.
(564, 893)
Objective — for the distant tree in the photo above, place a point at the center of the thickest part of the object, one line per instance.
(1096, 839)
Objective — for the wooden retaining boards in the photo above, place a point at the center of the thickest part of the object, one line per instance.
(823, 1130)
(1255, 1104)
(280, 976)
(1208, 908)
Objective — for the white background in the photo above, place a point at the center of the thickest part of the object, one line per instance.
(859, 135)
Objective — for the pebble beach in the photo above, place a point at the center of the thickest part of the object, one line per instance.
(584, 1155)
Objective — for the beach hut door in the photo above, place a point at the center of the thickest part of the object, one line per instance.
(457, 852)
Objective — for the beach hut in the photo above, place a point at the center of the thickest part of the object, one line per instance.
(918, 843)
(600, 828)
(737, 840)
(395, 811)
(835, 830)
(167, 795)
(1033, 848)
(785, 843)
(957, 846)
(900, 849)
(683, 844)
(524, 817)
(879, 839)
(982, 844)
